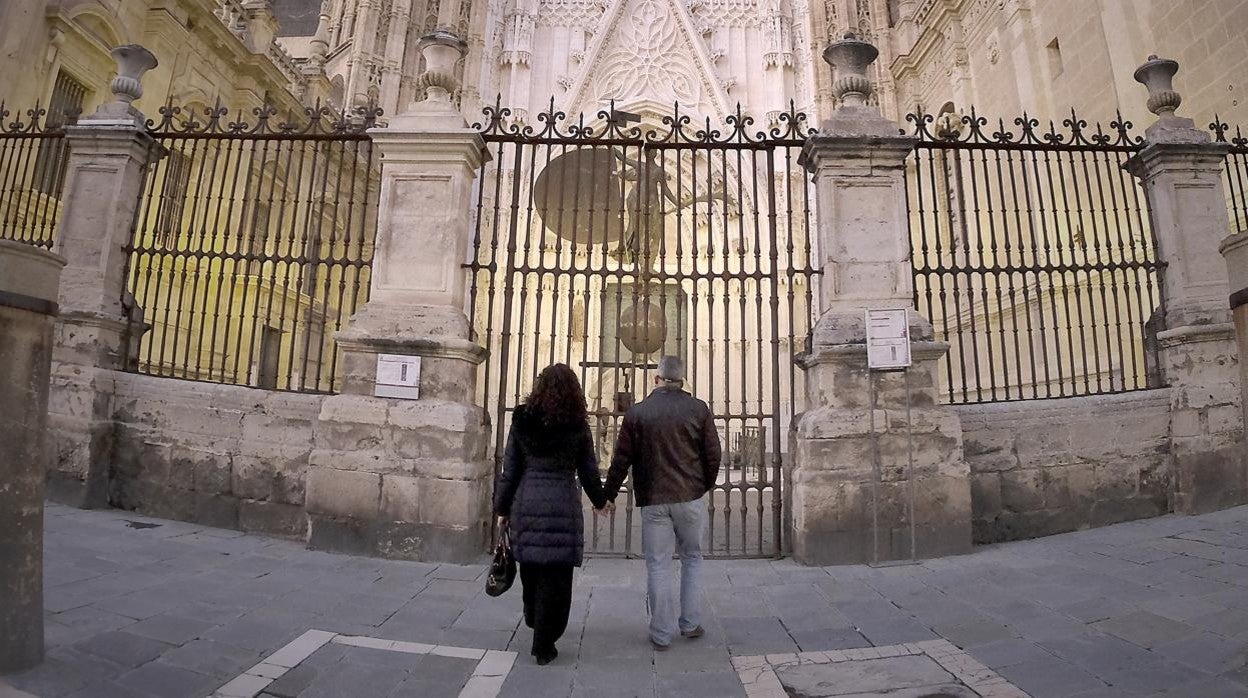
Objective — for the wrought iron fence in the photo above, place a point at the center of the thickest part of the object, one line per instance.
(1033, 257)
(253, 244)
(1236, 175)
(32, 172)
(604, 245)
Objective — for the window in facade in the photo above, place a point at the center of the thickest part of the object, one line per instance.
(64, 107)
(270, 355)
(1054, 49)
(173, 197)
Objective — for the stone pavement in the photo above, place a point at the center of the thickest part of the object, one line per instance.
(138, 607)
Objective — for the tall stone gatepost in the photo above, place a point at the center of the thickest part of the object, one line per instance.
(1234, 250)
(1181, 171)
(841, 514)
(407, 476)
(109, 152)
(28, 292)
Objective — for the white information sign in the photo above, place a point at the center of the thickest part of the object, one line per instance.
(398, 376)
(888, 338)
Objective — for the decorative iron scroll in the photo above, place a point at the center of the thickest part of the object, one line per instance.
(1235, 176)
(974, 129)
(1033, 256)
(33, 156)
(677, 127)
(253, 244)
(264, 120)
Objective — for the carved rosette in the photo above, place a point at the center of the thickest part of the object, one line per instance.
(1157, 74)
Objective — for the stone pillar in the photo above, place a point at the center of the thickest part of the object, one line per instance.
(109, 152)
(28, 283)
(1181, 171)
(858, 163)
(1234, 250)
(397, 477)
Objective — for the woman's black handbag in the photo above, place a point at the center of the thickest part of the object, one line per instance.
(503, 568)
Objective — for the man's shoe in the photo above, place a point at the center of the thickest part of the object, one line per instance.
(657, 647)
(693, 634)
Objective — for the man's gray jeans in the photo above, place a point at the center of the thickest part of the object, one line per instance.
(668, 529)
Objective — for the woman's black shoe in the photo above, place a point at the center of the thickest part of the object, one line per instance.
(544, 658)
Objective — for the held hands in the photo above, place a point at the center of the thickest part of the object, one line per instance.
(606, 509)
(502, 522)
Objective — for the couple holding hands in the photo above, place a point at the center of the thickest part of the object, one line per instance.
(668, 442)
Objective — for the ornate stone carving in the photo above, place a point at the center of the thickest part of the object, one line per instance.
(851, 57)
(646, 58)
(518, 38)
(994, 51)
(132, 61)
(778, 38)
(1158, 76)
(441, 51)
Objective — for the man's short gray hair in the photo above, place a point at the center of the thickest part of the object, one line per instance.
(671, 369)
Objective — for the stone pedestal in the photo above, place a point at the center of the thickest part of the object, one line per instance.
(410, 478)
(1234, 250)
(109, 153)
(1181, 171)
(842, 511)
(28, 292)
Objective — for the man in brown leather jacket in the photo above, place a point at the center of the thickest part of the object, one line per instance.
(670, 443)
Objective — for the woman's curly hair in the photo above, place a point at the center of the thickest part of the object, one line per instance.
(557, 398)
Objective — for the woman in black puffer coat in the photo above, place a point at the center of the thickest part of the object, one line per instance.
(548, 449)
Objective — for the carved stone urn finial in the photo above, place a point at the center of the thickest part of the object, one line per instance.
(850, 57)
(441, 50)
(1157, 74)
(132, 61)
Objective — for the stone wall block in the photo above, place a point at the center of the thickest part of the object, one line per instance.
(343, 493)
(272, 519)
(401, 498)
(251, 478)
(367, 461)
(461, 503)
(986, 501)
(348, 436)
(213, 473)
(216, 510)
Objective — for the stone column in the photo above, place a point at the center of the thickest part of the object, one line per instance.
(1234, 250)
(397, 477)
(858, 163)
(108, 156)
(1181, 171)
(28, 283)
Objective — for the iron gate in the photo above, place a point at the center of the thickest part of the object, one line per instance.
(605, 245)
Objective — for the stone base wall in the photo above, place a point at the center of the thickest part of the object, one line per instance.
(1050, 466)
(219, 455)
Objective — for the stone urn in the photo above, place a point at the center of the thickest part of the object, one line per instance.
(850, 57)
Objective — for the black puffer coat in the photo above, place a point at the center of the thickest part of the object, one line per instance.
(538, 489)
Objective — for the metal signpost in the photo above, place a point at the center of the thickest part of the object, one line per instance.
(888, 349)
